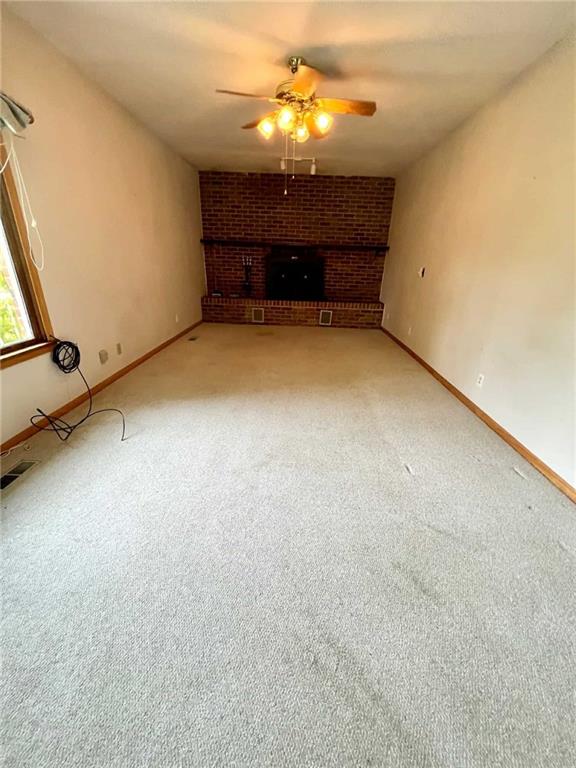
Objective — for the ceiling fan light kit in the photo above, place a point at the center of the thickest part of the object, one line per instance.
(301, 133)
(297, 126)
(266, 127)
(323, 121)
(300, 114)
(286, 118)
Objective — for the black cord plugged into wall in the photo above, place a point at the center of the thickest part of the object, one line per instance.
(66, 356)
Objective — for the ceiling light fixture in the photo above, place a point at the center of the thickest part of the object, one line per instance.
(301, 134)
(300, 114)
(286, 118)
(266, 127)
(323, 122)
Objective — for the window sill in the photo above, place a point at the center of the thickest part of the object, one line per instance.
(21, 355)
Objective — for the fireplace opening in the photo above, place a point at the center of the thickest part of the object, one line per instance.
(294, 272)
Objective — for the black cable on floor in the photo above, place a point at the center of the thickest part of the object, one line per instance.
(66, 356)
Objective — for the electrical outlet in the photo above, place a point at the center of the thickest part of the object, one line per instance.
(103, 355)
(177, 318)
(409, 330)
(118, 348)
(480, 380)
(422, 271)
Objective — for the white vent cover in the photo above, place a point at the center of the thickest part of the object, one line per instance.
(257, 315)
(325, 317)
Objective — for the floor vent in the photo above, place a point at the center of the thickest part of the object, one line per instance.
(257, 315)
(325, 317)
(16, 472)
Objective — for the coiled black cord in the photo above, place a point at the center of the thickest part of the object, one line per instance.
(66, 356)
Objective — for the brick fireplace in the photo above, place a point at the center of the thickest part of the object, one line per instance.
(323, 243)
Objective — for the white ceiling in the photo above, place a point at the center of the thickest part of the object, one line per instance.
(428, 66)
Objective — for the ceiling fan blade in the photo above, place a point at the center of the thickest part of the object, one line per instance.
(347, 106)
(247, 95)
(306, 81)
(254, 123)
(313, 128)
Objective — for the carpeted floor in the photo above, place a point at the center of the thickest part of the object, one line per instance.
(306, 554)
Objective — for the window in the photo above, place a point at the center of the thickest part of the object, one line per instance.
(24, 324)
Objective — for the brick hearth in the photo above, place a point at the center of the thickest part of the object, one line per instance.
(345, 314)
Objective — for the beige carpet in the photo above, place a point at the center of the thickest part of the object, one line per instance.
(306, 554)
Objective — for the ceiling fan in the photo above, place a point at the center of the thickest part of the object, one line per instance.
(299, 113)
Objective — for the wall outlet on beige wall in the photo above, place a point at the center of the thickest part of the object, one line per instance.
(480, 380)
(103, 355)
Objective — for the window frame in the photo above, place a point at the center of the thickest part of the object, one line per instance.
(14, 226)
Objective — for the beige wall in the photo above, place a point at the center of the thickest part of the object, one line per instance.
(490, 214)
(119, 215)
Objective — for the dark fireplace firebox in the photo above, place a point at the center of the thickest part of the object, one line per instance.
(294, 272)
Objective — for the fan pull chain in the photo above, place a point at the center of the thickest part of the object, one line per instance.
(286, 164)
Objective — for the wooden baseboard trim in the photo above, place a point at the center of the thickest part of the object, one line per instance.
(30, 431)
(530, 457)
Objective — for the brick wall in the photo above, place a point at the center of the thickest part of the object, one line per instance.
(326, 209)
